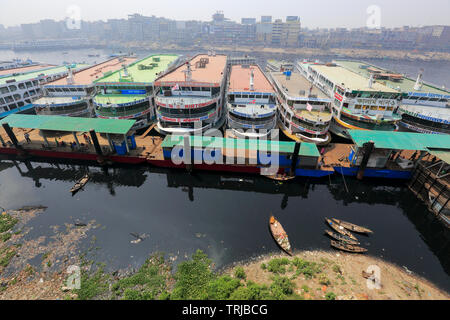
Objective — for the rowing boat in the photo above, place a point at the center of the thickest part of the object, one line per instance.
(340, 229)
(352, 227)
(80, 184)
(347, 247)
(280, 235)
(341, 237)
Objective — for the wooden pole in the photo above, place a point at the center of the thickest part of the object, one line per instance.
(10, 134)
(295, 158)
(98, 149)
(76, 139)
(368, 148)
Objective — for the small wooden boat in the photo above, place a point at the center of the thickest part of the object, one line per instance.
(281, 177)
(347, 247)
(340, 229)
(80, 184)
(340, 237)
(352, 227)
(280, 235)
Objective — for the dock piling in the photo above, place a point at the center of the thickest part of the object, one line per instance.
(11, 134)
(98, 149)
(295, 158)
(368, 148)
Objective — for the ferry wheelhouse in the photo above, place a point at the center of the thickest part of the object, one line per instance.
(19, 89)
(303, 111)
(128, 93)
(191, 97)
(251, 102)
(357, 103)
(425, 108)
(73, 95)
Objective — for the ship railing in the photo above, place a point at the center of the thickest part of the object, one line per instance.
(268, 124)
(429, 128)
(184, 100)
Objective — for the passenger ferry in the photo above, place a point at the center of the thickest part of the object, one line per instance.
(19, 89)
(128, 93)
(251, 103)
(303, 111)
(73, 95)
(357, 102)
(191, 97)
(425, 108)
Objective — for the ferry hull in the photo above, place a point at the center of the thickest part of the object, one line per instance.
(375, 173)
(319, 142)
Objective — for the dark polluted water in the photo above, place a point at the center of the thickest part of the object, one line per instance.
(224, 215)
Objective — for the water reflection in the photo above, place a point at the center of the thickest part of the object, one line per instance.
(226, 215)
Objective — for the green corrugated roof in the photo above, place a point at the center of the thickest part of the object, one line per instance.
(401, 140)
(68, 124)
(306, 149)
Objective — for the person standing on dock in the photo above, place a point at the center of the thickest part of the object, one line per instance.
(27, 137)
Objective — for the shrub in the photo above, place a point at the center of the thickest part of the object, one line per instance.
(222, 288)
(277, 266)
(192, 278)
(281, 287)
(330, 296)
(240, 273)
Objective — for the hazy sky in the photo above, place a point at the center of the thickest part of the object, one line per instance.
(313, 13)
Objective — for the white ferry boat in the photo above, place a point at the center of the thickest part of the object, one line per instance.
(19, 89)
(129, 92)
(303, 111)
(425, 108)
(73, 95)
(357, 102)
(251, 102)
(191, 97)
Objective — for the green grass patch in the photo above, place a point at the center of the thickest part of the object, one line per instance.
(278, 266)
(7, 222)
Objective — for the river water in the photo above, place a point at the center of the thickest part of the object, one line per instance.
(224, 215)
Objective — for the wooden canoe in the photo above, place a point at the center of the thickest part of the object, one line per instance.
(352, 227)
(347, 247)
(342, 238)
(80, 184)
(280, 235)
(340, 229)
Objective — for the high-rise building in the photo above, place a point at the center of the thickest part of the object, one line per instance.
(266, 19)
(250, 21)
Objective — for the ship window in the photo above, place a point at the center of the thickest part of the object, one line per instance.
(265, 97)
(12, 88)
(373, 108)
(2, 101)
(381, 108)
(238, 96)
(17, 97)
(390, 108)
(365, 107)
(20, 103)
(358, 107)
(35, 82)
(196, 89)
(245, 96)
(252, 96)
(4, 90)
(29, 85)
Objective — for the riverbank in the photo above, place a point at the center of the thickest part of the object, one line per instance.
(354, 53)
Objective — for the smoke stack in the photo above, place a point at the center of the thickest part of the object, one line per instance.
(188, 72)
(125, 70)
(419, 81)
(252, 81)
